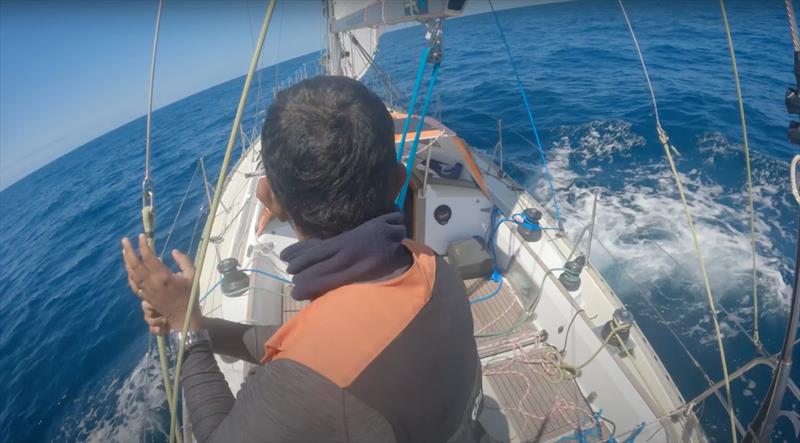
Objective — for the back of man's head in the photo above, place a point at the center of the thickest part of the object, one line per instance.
(328, 151)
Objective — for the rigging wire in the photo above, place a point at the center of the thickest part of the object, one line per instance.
(178, 212)
(746, 146)
(194, 231)
(394, 96)
(664, 139)
(148, 205)
(147, 169)
(201, 253)
(530, 116)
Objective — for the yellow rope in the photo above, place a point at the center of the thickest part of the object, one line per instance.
(747, 167)
(664, 139)
(148, 209)
(574, 371)
(161, 343)
(201, 252)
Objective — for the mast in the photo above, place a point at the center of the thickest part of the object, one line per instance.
(333, 58)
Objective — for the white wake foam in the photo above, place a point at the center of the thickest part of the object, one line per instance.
(641, 227)
(122, 410)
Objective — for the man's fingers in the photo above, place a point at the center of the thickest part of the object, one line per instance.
(184, 262)
(157, 330)
(133, 264)
(148, 257)
(133, 285)
(150, 311)
(155, 321)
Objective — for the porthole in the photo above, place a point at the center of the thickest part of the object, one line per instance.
(442, 214)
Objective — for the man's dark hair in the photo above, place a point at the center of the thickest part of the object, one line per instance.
(328, 151)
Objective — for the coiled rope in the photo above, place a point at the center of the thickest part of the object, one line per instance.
(746, 147)
(664, 139)
(201, 252)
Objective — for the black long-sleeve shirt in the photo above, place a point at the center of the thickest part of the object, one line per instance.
(282, 401)
(400, 365)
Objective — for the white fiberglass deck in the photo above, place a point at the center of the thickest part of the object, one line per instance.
(523, 401)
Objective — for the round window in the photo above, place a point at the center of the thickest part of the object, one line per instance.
(442, 214)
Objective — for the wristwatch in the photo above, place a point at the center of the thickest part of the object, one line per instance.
(193, 338)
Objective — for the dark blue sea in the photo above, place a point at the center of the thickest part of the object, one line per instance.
(73, 343)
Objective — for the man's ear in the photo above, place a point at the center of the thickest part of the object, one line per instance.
(267, 197)
(399, 181)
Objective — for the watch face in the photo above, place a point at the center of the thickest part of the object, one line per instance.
(192, 337)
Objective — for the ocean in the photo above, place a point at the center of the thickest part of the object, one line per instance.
(74, 344)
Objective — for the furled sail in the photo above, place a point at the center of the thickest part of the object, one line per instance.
(355, 47)
(355, 26)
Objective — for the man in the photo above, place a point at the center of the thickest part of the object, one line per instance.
(385, 349)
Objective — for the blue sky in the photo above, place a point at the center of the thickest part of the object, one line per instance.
(72, 70)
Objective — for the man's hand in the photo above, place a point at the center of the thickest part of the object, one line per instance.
(157, 323)
(164, 295)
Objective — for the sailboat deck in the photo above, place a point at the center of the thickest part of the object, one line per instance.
(522, 402)
(498, 314)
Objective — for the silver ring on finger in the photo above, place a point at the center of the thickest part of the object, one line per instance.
(140, 293)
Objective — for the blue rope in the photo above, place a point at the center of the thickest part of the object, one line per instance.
(272, 276)
(530, 114)
(519, 219)
(420, 72)
(413, 154)
(257, 271)
(210, 291)
(489, 295)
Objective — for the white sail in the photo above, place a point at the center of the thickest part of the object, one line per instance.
(355, 26)
(351, 51)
